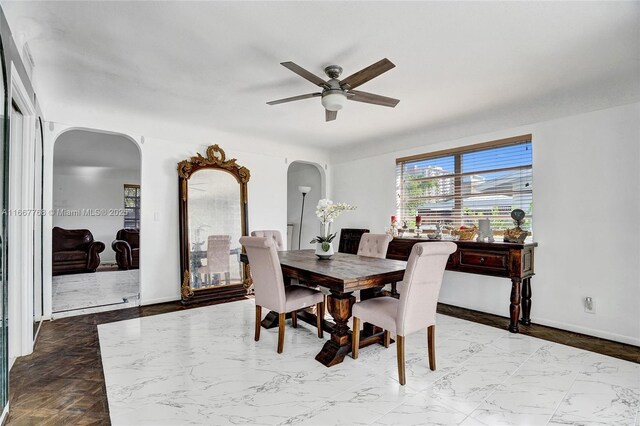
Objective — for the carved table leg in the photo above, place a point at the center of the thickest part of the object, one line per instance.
(526, 302)
(334, 350)
(514, 307)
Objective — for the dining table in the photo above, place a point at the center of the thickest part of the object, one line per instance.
(341, 275)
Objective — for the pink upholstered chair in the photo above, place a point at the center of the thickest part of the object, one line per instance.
(269, 288)
(416, 308)
(374, 245)
(275, 235)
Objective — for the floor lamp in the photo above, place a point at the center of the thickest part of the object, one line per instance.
(304, 190)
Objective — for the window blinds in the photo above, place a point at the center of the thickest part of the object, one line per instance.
(458, 187)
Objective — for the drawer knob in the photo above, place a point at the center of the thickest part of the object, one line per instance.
(482, 260)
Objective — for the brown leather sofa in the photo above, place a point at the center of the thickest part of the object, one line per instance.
(75, 251)
(127, 248)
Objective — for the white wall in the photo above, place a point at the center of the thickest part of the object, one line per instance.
(159, 256)
(585, 170)
(302, 174)
(78, 188)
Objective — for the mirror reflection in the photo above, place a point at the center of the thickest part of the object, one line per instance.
(215, 228)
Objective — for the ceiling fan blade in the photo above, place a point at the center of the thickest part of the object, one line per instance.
(295, 98)
(305, 74)
(370, 98)
(330, 115)
(366, 74)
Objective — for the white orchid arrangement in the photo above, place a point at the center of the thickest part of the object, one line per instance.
(327, 211)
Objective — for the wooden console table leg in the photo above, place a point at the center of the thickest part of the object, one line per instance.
(394, 290)
(514, 307)
(526, 302)
(334, 350)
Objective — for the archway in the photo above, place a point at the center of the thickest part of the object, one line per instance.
(96, 196)
(303, 174)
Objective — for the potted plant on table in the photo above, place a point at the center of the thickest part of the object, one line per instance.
(327, 211)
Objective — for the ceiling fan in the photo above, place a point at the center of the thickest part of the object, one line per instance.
(336, 92)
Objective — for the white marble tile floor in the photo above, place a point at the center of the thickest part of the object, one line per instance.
(202, 366)
(79, 294)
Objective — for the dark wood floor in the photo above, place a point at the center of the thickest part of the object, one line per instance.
(576, 340)
(62, 382)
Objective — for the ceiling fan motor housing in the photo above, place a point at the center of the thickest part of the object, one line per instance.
(333, 71)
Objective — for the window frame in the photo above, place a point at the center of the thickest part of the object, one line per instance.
(136, 208)
(457, 212)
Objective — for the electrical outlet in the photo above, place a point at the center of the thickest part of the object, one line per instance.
(589, 305)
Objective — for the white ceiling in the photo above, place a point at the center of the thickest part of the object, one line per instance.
(215, 64)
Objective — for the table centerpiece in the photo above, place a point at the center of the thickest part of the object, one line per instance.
(327, 211)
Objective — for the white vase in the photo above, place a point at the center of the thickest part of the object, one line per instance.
(322, 253)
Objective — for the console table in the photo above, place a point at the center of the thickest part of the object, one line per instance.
(508, 260)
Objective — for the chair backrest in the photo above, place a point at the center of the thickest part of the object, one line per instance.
(350, 240)
(421, 286)
(374, 245)
(268, 283)
(131, 236)
(71, 239)
(218, 247)
(269, 233)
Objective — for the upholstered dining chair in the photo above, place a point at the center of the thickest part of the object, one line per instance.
(268, 233)
(269, 288)
(416, 308)
(374, 245)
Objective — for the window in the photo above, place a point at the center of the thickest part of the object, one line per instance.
(132, 206)
(457, 187)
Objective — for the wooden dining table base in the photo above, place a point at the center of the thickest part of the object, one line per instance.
(339, 306)
(338, 346)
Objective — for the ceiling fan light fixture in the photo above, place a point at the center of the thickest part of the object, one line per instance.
(333, 100)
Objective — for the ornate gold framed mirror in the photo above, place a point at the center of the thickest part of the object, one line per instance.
(213, 216)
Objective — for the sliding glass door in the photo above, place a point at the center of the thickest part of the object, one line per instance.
(4, 174)
(38, 300)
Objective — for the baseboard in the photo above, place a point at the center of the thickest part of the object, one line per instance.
(159, 300)
(588, 331)
(559, 325)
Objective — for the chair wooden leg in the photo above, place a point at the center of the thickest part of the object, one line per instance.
(355, 338)
(400, 346)
(281, 319)
(258, 319)
(320, 318)
(387, 338)
(294, 319)
(431, 343)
